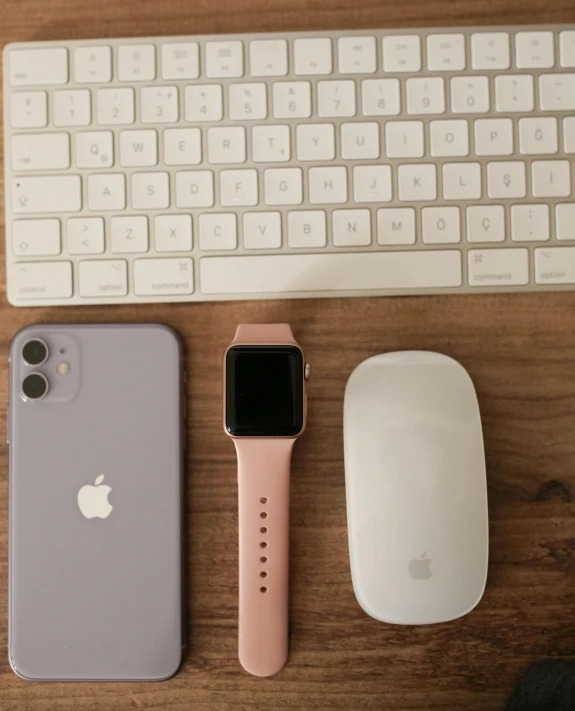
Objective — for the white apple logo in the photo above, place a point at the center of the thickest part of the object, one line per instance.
(419, 568)
(93, 500)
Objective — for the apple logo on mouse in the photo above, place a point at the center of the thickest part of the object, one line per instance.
(93, 499)
(419, 568)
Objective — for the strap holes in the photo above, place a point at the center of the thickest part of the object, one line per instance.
(263, 589)
(263, 574)
(263, 559)
(263, 514)
(263, 529)
(263, 544)
(263, 500)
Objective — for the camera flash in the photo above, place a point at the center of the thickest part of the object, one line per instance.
(62, 368)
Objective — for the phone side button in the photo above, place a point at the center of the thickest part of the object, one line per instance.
(8, 425)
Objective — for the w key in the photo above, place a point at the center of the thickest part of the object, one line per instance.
(40, 151)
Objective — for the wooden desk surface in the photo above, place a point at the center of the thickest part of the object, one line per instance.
(520, 350)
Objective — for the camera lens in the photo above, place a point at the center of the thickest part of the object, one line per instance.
(35, 352)
(34, 386)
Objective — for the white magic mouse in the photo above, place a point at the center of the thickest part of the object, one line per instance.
(416, 488)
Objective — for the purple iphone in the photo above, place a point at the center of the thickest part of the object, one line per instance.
(95, 430)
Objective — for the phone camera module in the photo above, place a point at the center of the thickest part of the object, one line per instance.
(35, 352)
(34, 386)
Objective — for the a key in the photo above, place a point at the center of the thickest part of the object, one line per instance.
(72, 108)
(461, 181)
(569, 134)
(203, 102)
(514, 93)
(404, 139)
(106, 192)
(312, 56)
(327, 185)
(159, 104)
(359, 141)
(195, 188)
(557, 92)
(494, 137)
(103, 278)
(315, 142)
(555, 266)
(227, 145)
(85, 235)
(38, 67)
(36, 238)
(416, 182)
(506, 179)
(351, 228)
(138, 148)
(395, 226)
(530, 223)
(182, 146)
(534, 50)
(283, 186)
(336, 98)
(538, 135)
(115, 106)
(401, 53)
(268, 58)
(94, 149)
(173, 233)
(357, 55)
(498, 267)
(168, 276)
(565, 221)
(28, 109)
(218, 231)
(380, 97)
(150, 191)
(485, 223)
(41, 280)
(449, 138)
(40, 151)
(446, 52)
(129, 234)
(247, 102)
(180, 60)
(425, 96)
(93, 65)
(306, 229)
(50, 193)
(469, 95)
(224, 59)
(271, 144)
(567, 48)
(292, 99)
(440, 225)
(550, 178)
(262, 230)
(490, 50)
(137, 62)
(372, 183)
(238, 188)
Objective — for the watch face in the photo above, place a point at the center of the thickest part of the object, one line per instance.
(264, 391)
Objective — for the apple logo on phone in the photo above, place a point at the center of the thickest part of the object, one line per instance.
(93, 500)
(419, 568)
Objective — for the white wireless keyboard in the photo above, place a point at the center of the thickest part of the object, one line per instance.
(375, 162)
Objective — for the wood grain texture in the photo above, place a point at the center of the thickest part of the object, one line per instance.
(520, 351)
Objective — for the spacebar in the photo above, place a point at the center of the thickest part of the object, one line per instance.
(287, 273)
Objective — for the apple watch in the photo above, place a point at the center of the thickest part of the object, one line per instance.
(264, 413)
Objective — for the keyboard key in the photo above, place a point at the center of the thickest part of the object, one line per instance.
(292, 99)
(315, 141)
(129, 234)
(150, 191)
(262, 230)
(372, 183)
(182, 146)
(95, 149)
(567, 48)
(195, 188)
(498, 267)
(163, 277)
(401, 53)
(239, 188)
(569, 134)
(159, 104)
(115, 106)
(506, 180)
(224, 60)
(218, 231)
(312, 56)
(204, 103)
(380, 97)
(283, 186)
(28, 109)
(534, 50)
(85, 235)
(395, 226)
(490, 50)
(268, 58)
(106, 192)
(40, 151)
(38, 67)
(138, 148)
(296, 273)
(271, 144)
(103, 278)
(173, 233)
(36, 238)
(557, 92)
(449, 138)
(227, 145)
(351, 228)
(485, 223)
(327, 186)
(550, 178)
(359, 141)
(93, 65)
(494, 137)
(462, 181)
(180, 60)
(404, 139)
(357, 55)
(514, 93)
(248, 102)
(41, 280)
(440, 225)
(565, 221)
(336, 98)
(538, 136)
(306, 229)
(446, 53)
(417, 182)
(555, 266)
(137, 62)
(425, 96)
(530, 223)
(470, 95)
(50, 193)
(72, 108)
